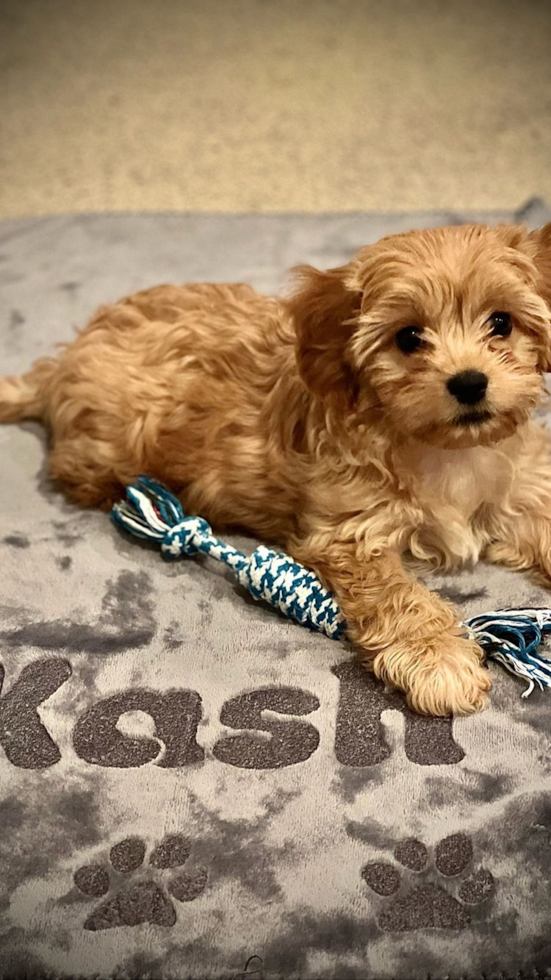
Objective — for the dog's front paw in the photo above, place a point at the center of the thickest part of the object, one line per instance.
(440, 676)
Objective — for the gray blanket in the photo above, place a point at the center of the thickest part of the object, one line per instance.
(194, 787)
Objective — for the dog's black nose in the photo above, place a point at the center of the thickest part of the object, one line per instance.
(469, 387)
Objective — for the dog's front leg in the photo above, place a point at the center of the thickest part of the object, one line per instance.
(405, 633)
(520, 533)
(524, 543)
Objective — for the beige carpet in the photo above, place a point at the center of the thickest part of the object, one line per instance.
(270, 105)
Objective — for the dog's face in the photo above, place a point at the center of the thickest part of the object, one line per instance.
(445, 334)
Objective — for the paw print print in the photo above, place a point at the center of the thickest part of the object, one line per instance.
(426, 905)
(145, 900)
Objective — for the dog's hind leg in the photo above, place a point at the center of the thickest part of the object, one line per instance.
(85, 469)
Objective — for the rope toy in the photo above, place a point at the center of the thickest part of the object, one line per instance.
(151, 512)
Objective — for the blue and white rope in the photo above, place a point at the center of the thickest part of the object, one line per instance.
(512, 636)
(151, 512)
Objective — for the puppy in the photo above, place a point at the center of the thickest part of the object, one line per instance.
(383, 411)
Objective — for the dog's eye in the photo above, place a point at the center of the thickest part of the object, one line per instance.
(501, 324)
(408, 339)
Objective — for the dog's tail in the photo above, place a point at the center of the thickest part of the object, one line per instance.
(26, 397)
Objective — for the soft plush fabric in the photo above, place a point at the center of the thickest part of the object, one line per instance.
(194, 787)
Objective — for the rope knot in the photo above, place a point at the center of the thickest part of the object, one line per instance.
(185, 538)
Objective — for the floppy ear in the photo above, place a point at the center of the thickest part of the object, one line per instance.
(536, 247)
(542, 259)
(540, 241)
(325, 310)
